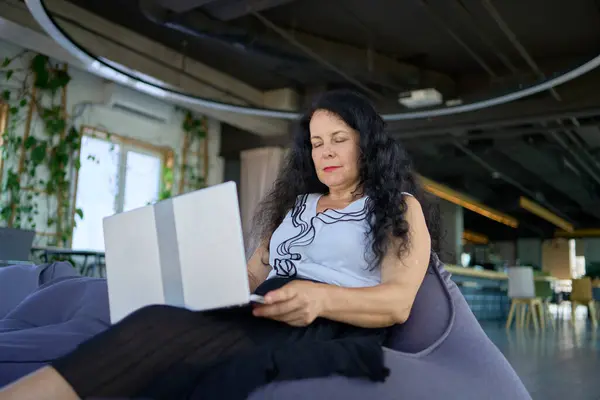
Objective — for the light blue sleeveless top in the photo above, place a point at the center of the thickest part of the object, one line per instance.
(330, 246)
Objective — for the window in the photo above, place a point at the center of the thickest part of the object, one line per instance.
(116, 175)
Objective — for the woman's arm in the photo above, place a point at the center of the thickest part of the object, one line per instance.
(386, 304)
(390, 302)
(258, 266)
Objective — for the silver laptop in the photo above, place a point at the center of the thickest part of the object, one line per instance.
(185, 251)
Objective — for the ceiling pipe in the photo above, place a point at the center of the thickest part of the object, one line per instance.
(440, 22)
(497, 134)
(495, 124)
(104, 68)
(160, 15)
(593, 164)
(505, 178)
(472, 21)
(308, 51)
(577, 159)
(516, 43)
(581, 148)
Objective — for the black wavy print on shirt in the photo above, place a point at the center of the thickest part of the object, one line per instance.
(284, 264)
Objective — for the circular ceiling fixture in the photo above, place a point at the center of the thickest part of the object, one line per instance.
(125, 76)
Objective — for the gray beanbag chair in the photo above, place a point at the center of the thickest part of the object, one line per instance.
(441, 352)
(59, 311)
(19, 281)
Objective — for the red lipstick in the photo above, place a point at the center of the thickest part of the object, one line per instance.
(330, 169)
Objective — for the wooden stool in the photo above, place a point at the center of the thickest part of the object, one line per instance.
(546, 315)
(525, 310)
(591, 305)
(581, 294)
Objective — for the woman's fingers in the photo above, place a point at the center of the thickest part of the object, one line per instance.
(277, 309)
(285, 293)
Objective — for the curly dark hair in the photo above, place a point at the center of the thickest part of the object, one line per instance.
(385, 172)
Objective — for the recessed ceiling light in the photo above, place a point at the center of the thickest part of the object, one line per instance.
(420, 98)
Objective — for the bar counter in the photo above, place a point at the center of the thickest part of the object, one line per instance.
(485, 291)
(485, 274)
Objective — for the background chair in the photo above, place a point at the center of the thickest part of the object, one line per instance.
(581, 294)
(521, 291)
(544, 292)
(15, 246)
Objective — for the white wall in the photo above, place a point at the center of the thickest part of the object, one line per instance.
(85, 97)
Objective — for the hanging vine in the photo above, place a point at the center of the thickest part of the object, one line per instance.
(37, 99)
(167, 180)
(194, 169)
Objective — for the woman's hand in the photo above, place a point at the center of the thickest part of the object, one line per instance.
(298, 303)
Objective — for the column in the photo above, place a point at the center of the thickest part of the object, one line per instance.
(451, 233)
(591, 253)
(556, 258)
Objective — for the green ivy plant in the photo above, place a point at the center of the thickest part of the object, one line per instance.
(167, 182)
(53, 147)
(195, 128)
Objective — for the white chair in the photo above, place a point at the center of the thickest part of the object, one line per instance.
(521, 291)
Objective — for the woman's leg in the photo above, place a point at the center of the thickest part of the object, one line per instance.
(43, 384)
(162, 352)
(145, 346)
(139, 350)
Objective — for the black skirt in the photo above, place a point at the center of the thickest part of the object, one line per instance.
(164, 352)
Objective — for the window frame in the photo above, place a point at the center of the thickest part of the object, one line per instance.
(3, 122)
(126, 144)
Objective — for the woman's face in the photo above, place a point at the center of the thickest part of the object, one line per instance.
(335, 150)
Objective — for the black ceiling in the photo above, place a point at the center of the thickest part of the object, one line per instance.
(457, 38)
(546, 147)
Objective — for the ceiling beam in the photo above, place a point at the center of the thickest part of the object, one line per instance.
(474, 237)
(543, 213)
(465, 201)
(578, 233)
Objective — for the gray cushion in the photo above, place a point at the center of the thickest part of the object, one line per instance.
(445, 354)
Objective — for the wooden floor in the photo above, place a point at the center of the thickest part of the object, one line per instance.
(562, 364)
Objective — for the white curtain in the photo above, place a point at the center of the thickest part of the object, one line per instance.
(259, 169)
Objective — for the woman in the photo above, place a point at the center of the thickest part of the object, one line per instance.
(345, 247)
